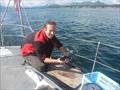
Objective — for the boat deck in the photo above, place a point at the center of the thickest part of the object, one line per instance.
(12, 73)
(13, 77)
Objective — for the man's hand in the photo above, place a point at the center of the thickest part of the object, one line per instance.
(55, 61)
(62, 61)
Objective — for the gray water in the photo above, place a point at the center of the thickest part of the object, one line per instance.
(74, 25)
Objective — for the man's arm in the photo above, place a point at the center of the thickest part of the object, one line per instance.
(38, 46)
(53, 61)
(59, 45)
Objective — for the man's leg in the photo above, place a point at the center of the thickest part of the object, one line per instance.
(35, 62)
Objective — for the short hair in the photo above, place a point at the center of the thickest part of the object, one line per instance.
(50, 23)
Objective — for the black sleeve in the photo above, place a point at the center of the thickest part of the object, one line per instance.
(29, 38)
(38, 48)
(57, 43)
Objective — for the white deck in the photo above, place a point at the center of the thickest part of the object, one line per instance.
(12, 73)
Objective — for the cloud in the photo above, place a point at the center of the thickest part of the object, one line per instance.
(35, 2)
(26, 2)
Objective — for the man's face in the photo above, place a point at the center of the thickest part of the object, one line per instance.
(50, 30)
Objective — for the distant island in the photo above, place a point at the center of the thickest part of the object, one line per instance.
(86, 4)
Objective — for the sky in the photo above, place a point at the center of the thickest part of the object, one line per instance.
(31, 3)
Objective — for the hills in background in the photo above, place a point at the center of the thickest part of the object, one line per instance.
(87, 4)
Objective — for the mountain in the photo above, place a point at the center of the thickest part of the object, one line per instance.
(89, 3)
(86, 4)
(99, 3)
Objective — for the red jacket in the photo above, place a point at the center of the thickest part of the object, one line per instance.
(39, 44)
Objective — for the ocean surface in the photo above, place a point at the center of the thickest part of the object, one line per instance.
(79, 29)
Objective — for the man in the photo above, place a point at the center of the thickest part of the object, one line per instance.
(37, 47)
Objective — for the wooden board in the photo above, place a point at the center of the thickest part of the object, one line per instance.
(70, 76)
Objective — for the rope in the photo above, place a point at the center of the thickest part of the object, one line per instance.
(27, 18)
(109, 45)
(21, 18)
(86, 40)
(98, 63)
(19, 25)
(14, 35)
(2, 19)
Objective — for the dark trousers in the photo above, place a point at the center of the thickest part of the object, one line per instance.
(35, 62)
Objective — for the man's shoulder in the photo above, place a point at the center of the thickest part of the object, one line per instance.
(30, 35)
(39, 35)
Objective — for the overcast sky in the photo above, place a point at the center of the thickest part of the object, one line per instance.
(44, 2)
